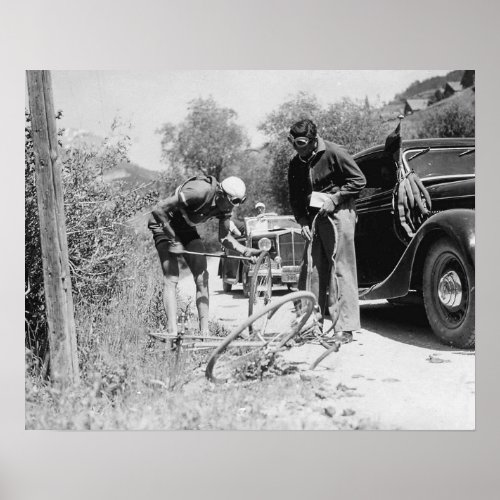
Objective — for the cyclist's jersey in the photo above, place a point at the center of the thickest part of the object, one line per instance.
(197, 201)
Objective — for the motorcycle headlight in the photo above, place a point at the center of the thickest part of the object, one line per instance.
(265, 244)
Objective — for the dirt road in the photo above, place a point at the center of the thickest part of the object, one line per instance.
(395, 373)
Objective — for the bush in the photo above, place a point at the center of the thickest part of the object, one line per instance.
(34, 301)
(454, 119)
(102, 241)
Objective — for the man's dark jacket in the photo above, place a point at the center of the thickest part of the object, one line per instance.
(331, 170)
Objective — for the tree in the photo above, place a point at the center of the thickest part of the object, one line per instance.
(207, 141)
(352, 124)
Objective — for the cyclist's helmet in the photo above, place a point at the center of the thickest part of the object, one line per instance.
(235, 189)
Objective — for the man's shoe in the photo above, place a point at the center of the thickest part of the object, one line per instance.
(344, 337)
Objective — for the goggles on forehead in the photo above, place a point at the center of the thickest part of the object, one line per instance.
(234, 200)
(300, 142)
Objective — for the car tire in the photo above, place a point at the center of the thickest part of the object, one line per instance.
(449, 294)
(227, 287)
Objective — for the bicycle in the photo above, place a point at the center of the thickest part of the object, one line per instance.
(260, 297)
(278, 325)
(273, 328)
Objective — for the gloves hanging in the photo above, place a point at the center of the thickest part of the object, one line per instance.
(412, 205)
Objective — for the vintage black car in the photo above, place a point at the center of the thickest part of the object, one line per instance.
(280, 236)
(436, 265)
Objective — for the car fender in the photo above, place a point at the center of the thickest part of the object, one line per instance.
(456, 224)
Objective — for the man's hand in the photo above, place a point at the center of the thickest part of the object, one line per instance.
(250, 252)
(306, 233)
(253, 253)
(176, 247)
(328, 208)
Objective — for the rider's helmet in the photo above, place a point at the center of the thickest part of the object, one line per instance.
(235, 190)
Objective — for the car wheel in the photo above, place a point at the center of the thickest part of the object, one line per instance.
(449, 294)
(226, 287)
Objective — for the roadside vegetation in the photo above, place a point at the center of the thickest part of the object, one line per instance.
(128, 380)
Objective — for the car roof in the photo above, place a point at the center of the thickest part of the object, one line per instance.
(448, 142)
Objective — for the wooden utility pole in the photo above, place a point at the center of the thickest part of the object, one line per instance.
(56, 275)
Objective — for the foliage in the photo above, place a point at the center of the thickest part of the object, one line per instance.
(100, 235)
(207, 141)
(352, 124)
(255, 171)
(98, 225)
(453, 119)
(126, 384)
(34, 304)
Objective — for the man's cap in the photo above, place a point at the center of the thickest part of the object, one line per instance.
(234, 187)
(260, 204)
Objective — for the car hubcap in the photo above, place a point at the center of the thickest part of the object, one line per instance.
(450, 290)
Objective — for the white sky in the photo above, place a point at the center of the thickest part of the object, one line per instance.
(90, 100)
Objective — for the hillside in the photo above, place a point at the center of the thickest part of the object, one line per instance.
(131, 175)
(412, 123)
(430, 84)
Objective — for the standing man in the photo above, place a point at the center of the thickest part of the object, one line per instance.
(173, 224)
(324, 182)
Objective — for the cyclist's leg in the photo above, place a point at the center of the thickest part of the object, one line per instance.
(198, 266)
(170, 269)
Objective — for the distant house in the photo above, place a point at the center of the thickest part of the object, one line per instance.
(451, 88)
(412, 105)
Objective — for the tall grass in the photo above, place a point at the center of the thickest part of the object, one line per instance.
(130, 381)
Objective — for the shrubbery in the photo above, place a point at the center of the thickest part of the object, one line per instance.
(103, 245)
(454, 119)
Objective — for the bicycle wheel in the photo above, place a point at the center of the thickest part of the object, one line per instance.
(260, 288)
(283, 320)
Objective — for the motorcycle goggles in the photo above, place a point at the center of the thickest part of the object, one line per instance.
(299, 142)
(234, 200)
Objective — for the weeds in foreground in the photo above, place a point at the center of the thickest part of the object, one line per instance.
(130, 382)
(273, 403)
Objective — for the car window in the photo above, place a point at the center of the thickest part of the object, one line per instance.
(270, 223)
(444, 161)
(380, 173)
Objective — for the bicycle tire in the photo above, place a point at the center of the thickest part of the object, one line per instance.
(278, 340)
(261, 284)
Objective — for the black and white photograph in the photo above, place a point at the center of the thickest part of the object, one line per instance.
(250, 249)
(254, 235)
